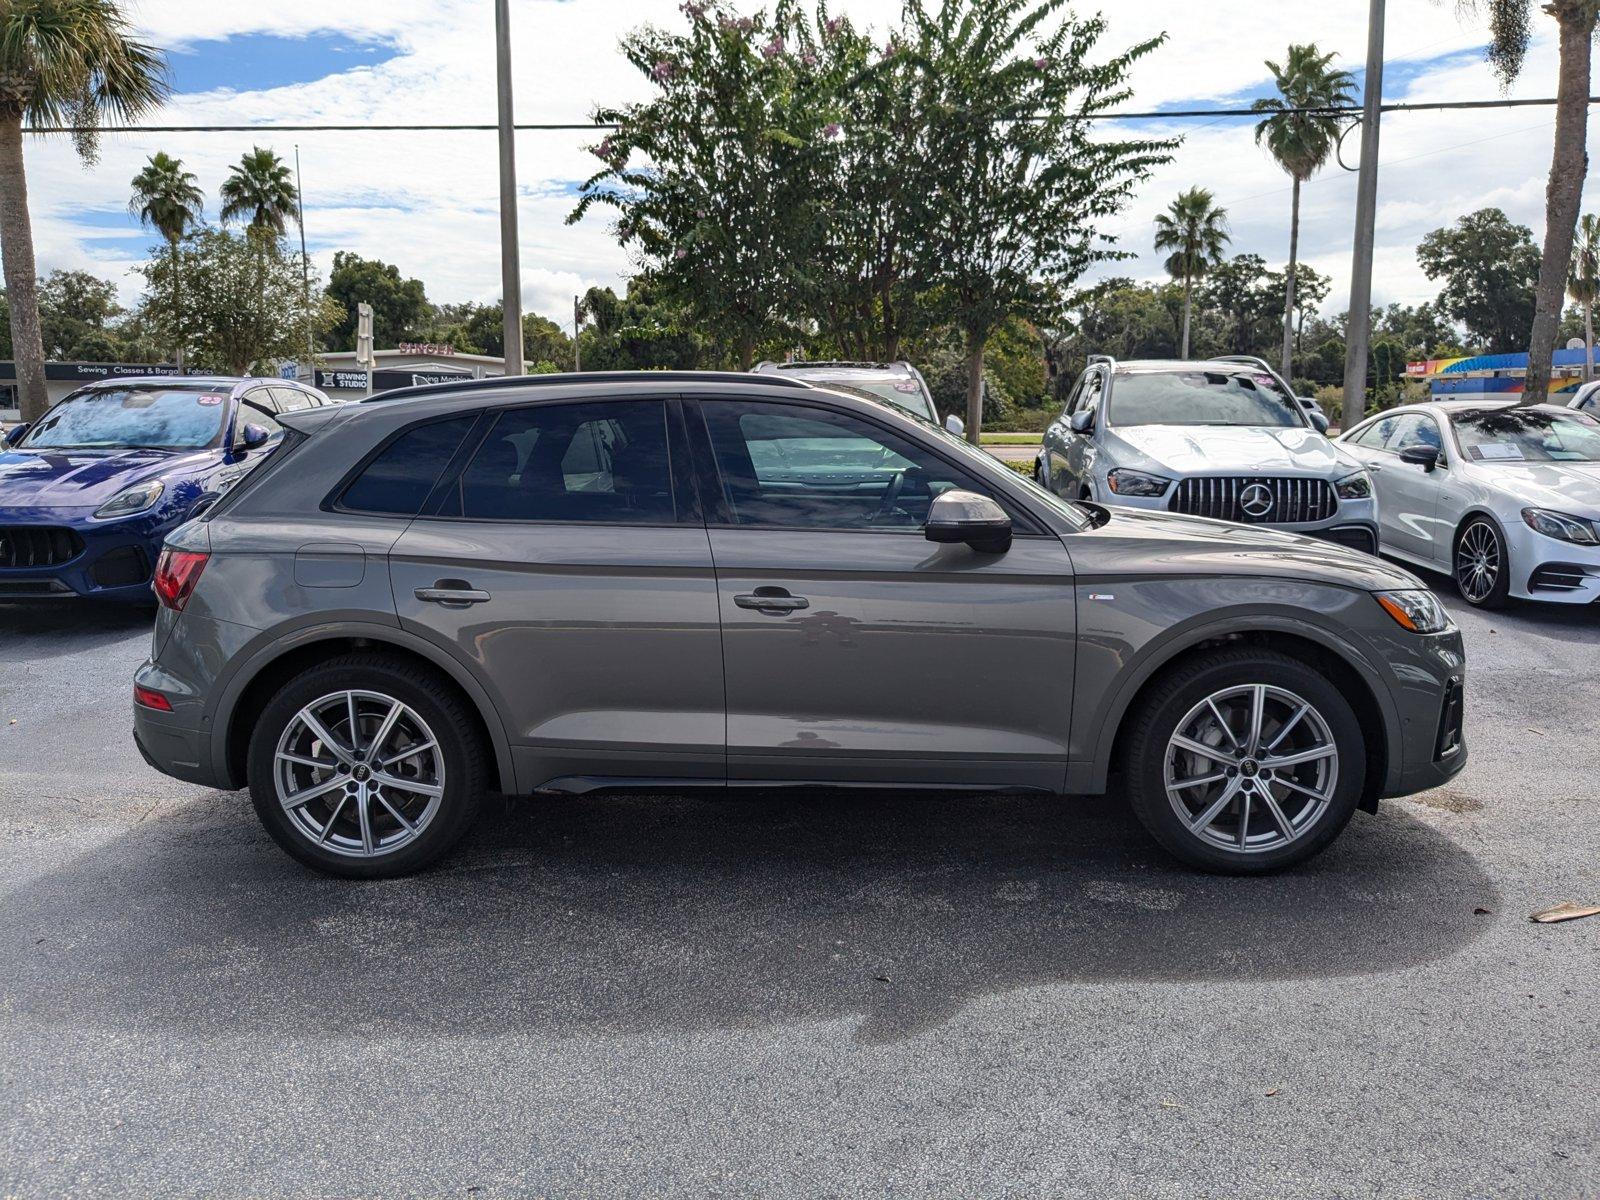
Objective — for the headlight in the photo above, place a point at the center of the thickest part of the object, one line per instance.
(1136, 483)
(1419, 610)
(132, 500)
(1355, 487)
(1560, 525)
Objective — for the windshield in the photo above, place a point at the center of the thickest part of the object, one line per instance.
(902, 393)
(1203, 398)
(1513, 435)
(156, 418)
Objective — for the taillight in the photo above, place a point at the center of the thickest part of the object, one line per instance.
(151, 698)
(176, 574)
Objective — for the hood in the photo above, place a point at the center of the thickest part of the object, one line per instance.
(1235, 449)
(1565, 487)
(81, 478)
(1142, 542)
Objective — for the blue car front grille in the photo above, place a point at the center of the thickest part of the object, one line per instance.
(27, 546)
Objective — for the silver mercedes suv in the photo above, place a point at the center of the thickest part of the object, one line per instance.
(578, 583)
(1222, 438)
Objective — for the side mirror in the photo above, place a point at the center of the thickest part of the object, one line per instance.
(1425, 457)
(955, 425)
(960, 516)
(15, 434)
(1082, 421)
(1318, 422)
(254, 435)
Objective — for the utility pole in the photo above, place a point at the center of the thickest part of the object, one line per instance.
(1358, 323)
(577, 325)
(510, 263)
(305, 269)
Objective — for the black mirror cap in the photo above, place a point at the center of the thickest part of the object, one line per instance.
(1425, 457)
(986, 537)
(15, 434)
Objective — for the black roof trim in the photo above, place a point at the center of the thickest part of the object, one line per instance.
(569, 378)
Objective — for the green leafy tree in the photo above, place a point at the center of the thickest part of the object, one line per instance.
(238, 321)
(1194, 232)
(62, 62)
(1311, 288)
(638, 331)
(1301, 142)
(260, 189)
(1510, 30)
(399, 305)
(714, 177)
(1017, 177)
(78, 313)
(1489, 267)
(1584, 284)
(168, 199)
(1244, 295)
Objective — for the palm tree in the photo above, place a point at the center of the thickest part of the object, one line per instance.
(1301, 142)
(71, 64)
(1196, 231)
(167, 199)
(1584, 283)
(262, 188)
(1510, 24)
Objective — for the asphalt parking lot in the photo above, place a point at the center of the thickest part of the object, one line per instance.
(797, 995)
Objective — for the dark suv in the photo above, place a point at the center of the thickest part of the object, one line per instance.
(671, 579)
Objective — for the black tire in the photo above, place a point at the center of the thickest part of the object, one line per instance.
(454, 727)
(1481, 530)
(1175, 694)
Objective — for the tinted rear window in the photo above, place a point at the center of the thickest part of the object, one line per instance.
(399, 479)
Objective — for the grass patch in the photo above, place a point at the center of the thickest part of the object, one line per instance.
(1011, 439)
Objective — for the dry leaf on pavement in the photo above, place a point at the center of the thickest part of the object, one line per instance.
(1565, 911)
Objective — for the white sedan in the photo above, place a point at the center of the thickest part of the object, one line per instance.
(1505, 499)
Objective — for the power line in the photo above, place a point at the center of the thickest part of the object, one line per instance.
(546, 127)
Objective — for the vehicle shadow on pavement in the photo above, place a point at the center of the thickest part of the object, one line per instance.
(91, 624)
(653, 913)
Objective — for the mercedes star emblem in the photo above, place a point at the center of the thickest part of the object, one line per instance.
(1256, 500)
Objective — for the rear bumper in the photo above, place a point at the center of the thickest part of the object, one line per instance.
(173, 749)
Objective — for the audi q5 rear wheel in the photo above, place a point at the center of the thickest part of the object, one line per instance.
(367, 767)
(1245, 762)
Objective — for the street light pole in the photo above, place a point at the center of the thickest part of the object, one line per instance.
(1358, 322)
(577, 328)
(305, 269)
(510, 264)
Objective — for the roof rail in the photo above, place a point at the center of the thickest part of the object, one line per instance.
(571, 377)
(1255, 360)
(1102, 358)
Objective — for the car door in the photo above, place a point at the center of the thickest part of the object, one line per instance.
(566, 561)
(1056, 440)
(854, 649)
(1080, 451)
(1409, 493)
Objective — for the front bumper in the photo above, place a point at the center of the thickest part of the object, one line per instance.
(1353, 523)
(1552, 571)
(116, 560)
(1429, 691)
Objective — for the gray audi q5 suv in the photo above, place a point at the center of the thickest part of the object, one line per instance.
(573, 583)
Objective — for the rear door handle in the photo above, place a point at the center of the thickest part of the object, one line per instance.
(772, 600)
(452, 593)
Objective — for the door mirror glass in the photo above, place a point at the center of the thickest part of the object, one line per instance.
(1425, 457)
(15, 434)
(1082, 422)
(962, 516)
(254, 435)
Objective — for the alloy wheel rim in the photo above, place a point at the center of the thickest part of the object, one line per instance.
(1478, 562)
(359, 773)
(1251, 768)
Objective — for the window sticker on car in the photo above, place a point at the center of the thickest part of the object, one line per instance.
(907, 386)
(208, 400)
(1263, 380)
(1498, 451)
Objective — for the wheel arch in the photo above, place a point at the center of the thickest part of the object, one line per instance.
(249, 690)
(1356, 680)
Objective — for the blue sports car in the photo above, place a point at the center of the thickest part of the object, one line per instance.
(88, 493)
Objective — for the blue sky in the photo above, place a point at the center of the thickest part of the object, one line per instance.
(427, 202)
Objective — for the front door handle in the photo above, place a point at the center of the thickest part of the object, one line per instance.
(772, 600)
(452, 593)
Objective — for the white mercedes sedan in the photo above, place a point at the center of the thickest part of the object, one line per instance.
(1505, 499)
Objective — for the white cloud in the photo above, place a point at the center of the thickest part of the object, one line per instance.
(428, 201)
